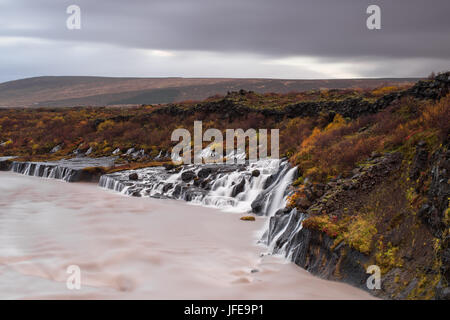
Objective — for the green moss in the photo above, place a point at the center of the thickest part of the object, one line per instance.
(387, 257)
(425, 288)
(361, 232)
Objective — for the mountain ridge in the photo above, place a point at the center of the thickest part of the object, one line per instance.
(69, 91)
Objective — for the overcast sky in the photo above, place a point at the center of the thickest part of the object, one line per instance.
(295, 39)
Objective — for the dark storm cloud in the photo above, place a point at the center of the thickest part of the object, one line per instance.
(326, 29)
(410, 28)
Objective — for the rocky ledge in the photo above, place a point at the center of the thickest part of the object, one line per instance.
(391, 212)
(70, 170)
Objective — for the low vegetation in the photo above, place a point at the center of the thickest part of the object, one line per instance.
(382, 221)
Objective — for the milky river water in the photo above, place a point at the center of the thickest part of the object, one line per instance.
(137, 248)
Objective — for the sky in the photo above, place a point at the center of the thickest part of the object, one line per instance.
(289, 39)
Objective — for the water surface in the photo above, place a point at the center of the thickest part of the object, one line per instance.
(137, 248)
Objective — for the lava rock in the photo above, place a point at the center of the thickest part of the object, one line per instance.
(256, 173)
(133, 176)
(204, 172)
(188, 176)
(238, 188)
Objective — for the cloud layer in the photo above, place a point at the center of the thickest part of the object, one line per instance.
(233, 38)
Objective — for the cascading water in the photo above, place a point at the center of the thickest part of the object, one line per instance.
(260, 187)
(69, 170)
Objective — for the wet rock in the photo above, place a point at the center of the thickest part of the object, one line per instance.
(204, 172)
(256, 173)
(269, 181)
(178, 191)
(167, 187)
(133, 176)
(187, 176)
(136, 193)
(197, 181)
(258, 204)
(206, 184)
(238, 188)
(5, 164)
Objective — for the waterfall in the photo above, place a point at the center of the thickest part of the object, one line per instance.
(69, 170)
(260, 187)
(44, 170)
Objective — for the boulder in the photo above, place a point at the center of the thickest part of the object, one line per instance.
(204, 172)
(238, 188)
(133, 176)
(256, 173)
(188, 176)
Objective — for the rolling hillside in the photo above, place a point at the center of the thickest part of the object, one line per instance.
(100, 91)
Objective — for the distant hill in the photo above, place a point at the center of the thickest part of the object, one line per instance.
(99, 91)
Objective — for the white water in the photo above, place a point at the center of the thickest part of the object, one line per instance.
(153, 181)
(137, 248)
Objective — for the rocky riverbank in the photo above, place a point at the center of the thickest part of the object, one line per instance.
(391, 212)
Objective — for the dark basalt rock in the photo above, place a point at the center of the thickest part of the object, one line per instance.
(167, 187)
(257, 204)
(238, 188)
(315, 251)
(350, 107)
(188, 176)
(269, 181)
(136, 193)
(204, 173)
(5, 165)
(133, 176)
(255, 173)
(420, 161)
(432, 213)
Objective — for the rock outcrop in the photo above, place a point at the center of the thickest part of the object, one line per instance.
(374, 217)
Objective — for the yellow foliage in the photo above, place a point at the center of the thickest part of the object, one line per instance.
(106, 125)
(360, 233)
(338, 122)
(384, 90)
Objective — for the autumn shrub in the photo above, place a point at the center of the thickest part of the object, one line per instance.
(437, 116)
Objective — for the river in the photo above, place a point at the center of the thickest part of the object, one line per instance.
(137, 248)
